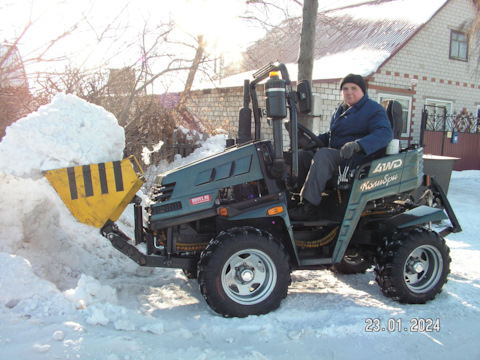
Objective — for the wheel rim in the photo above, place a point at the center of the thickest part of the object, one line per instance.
(423, 269)
(249, 277)
(353, 258)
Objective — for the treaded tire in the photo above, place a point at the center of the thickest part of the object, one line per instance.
(244, 271)
(414, 266)
(353, 262)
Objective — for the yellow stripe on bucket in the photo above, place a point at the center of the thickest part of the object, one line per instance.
(97, 193)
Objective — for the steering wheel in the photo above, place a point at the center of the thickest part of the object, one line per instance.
(307, 140)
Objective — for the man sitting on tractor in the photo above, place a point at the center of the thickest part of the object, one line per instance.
(359, 129)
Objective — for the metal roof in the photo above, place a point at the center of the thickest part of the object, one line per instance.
(382, 25)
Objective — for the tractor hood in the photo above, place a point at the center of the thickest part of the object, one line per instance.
(194, 187)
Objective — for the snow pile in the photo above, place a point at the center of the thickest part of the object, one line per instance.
(146, 152)
(50, 264)
(89, 291)
(211, 146)
(67, 132)
(35, 223)
(20, 288)
(99, 304)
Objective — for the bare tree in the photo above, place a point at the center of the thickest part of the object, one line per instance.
(475, 32)
(16, 99)
(129, 92)
(126, 90)
(14, 94)
(306, 56)
(198, 58)
(271, 11)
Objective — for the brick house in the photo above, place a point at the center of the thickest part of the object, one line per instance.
(417, 52)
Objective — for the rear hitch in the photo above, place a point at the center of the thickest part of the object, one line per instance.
(455, 228)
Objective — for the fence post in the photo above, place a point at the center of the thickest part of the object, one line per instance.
(423, 126)
(444, 128)
(478, 121)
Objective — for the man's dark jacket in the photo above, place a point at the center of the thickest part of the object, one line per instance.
(366, 122)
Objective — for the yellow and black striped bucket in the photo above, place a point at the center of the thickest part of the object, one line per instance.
(97, 193)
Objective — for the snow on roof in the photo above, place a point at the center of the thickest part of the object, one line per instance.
(360, 61)
(413, 11)
(354, 39)
(335, 66)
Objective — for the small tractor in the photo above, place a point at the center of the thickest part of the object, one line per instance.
(224, 219)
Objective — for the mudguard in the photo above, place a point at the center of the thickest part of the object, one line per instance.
(417, 216)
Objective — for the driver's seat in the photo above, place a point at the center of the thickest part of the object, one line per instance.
(395, 115)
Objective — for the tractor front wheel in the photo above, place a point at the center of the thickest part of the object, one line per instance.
(244, 271)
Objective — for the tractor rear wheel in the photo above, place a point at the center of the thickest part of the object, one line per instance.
(244, 271)
(355, 261)
(414, 266)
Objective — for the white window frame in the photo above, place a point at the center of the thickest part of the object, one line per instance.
(459, 42)
(437, 102)
(384, 96)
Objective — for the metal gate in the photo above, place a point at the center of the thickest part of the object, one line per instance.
(455, 135)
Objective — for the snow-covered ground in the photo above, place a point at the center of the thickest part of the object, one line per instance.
(65, 293)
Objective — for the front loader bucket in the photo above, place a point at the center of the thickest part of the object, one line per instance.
(97, 193)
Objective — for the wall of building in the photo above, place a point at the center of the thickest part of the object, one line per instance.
(425, 60)
(218, 109)
(329, 95)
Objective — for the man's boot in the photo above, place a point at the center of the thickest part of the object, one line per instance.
(304, 212)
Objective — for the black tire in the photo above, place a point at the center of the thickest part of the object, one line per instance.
(244, 271)
(414, 266)
(353, 262)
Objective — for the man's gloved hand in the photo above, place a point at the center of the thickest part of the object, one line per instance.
(349, 149)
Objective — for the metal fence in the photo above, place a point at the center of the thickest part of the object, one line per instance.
(183, 142)
(453, 135)
(436, 118)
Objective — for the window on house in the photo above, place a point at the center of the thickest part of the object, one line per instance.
(440, 104)
(458, 45)
(406, 103)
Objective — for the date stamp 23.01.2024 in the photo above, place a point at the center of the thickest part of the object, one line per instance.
(399, 325)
